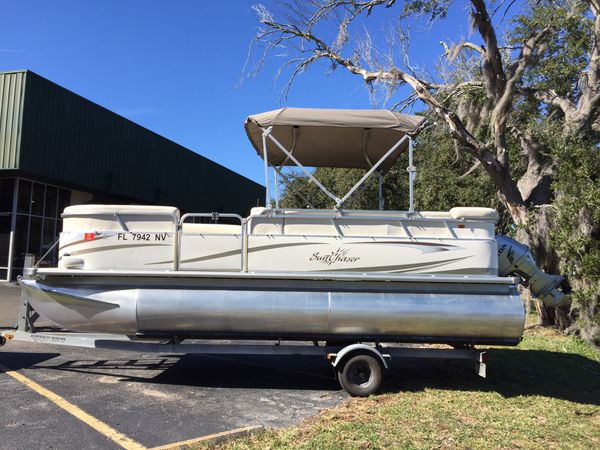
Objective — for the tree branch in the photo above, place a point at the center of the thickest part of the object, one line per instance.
(539, 170)
(493, 71)
(451, 52)
(589, 82)
(549, 97)
(355, 7)
(580, 117)
(312, 48)
(473, 168)
(528, 55)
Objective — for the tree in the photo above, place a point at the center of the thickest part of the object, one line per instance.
(499, 99)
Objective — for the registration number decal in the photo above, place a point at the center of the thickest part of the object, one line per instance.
(142, 236)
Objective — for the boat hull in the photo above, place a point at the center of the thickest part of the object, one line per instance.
(287, 309)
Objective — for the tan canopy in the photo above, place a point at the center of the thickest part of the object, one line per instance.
(349, 138)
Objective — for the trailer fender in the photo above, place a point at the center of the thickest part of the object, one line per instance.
(355, 349)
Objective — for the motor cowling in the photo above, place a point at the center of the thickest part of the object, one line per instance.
(516, 259)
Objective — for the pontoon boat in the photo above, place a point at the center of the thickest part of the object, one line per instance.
(307, 274)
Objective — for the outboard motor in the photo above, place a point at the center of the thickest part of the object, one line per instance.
(515, 258)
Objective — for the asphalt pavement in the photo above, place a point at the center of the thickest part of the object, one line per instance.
(9, 304)
(152, 399)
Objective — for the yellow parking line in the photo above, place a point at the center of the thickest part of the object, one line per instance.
(74, 410)
(211, 438)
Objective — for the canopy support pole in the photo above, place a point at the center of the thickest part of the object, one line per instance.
(412, 173)
(411, 170)
(266, 162)
(354, 196)
(380, 191)
(267, 133)
(371, 170)
(276, 189)
(289, 184)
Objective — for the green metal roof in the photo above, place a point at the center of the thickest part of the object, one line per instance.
(49, 132)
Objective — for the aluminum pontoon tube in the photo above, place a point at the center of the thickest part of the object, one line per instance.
(284, 308)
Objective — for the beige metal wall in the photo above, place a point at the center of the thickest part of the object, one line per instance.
(12, 89)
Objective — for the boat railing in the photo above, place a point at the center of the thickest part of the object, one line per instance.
(214, 216)
(335, 216)
(404, 219)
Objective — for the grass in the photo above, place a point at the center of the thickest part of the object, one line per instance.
(543, 394)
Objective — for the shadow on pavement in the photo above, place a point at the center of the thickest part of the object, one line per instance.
(24, 360)
(236, 372)
(264, 372)
(511, 373)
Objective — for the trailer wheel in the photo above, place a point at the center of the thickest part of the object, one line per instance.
(361, 375)
(2, 341)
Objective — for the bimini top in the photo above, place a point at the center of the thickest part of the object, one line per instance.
(349, 138)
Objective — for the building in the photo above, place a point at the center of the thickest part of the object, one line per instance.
(58, 149)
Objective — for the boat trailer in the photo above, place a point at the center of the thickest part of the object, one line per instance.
(359, 367)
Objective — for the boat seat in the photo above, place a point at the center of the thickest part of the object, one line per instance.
(110, 209)
(86, 218)
(211, 228)
(460, 213)
(258, 210)
(434, 214)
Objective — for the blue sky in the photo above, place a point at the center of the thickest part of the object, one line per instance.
(174, 67)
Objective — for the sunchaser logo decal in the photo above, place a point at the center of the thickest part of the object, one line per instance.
(339, 255)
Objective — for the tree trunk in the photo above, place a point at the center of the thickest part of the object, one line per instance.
(535, 233)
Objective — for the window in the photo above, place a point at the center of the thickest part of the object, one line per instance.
(49, 236)
(37, 222)
(5, 220)
(24, 202)
(6, 194)
(20, 246)
(51, 201)
(37, 199)
(6, 206)
(64, 200)
(35, 236)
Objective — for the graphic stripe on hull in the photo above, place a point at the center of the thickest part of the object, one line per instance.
(116, 247)
(235, 252)
(398, 268)
(82, 241)
(430, 246)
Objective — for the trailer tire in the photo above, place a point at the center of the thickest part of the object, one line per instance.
(2, 341)
(360, 375)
